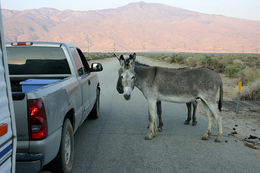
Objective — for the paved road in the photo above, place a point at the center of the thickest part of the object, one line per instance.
(115, 142)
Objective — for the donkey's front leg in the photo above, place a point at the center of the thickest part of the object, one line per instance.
(186, 122)
(152, 109)
(159, 112)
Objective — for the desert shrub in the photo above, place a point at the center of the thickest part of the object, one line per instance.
(252, 92)
(213, 63)
(250, 74)
(93, 56)
(179, 59)
(191, 62)
(252, 61)
(170, 59)
(206, 60)
(163, 57)
(252, 58)
(233, 70)
(242, 66)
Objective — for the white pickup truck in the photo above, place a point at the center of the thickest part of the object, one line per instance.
(54, 90)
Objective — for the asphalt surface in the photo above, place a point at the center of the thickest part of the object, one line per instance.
(115, 143)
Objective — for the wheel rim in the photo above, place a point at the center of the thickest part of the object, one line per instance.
(67, 148)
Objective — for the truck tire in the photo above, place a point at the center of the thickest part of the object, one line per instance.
(65, 156)
(95, 112)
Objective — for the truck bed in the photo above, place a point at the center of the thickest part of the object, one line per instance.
(17, 87)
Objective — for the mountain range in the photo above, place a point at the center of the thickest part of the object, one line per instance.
(140, 27)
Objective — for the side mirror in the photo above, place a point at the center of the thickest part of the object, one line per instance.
(95, 67)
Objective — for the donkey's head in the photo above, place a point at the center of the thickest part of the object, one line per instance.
(126, 75)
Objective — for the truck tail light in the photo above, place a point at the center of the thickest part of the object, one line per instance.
(22, 44)
(37, 121)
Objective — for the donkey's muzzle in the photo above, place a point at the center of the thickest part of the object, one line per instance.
(127, 96)
(120, 90)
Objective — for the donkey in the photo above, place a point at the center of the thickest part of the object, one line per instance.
(159, 107)
(180, 86)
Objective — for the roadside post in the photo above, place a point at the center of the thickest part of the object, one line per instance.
(238, 96)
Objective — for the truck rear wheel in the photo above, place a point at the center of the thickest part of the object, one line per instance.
(94, 114)
(66, 153)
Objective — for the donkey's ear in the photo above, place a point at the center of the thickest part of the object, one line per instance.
(122, 61)
(132, 61)
(133, 56)
(116, 56)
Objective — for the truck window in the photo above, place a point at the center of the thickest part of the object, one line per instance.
(77, 60)
(37, 60)
(83, 60)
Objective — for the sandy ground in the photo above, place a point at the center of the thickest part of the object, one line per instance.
(244, 126)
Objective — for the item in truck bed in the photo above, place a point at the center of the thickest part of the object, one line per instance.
(32, 84)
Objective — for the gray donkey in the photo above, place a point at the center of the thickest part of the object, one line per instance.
(174, 85)
(159, 107)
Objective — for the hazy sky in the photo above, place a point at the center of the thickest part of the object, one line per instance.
(248, 9)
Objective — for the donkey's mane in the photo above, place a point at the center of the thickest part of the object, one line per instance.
(137, 63)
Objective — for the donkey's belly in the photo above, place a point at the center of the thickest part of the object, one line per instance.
(176, 99)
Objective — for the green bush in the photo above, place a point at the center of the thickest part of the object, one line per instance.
(179, 59)
(252, 92)
(233, 70)
(169, 59)
(213, 63)
(163, 57)
(93, 56)
(191, 62)
(250, 74)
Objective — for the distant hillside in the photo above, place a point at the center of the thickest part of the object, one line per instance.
(135, 27)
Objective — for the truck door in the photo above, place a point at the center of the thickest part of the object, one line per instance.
(92, 80)
(7, 119)
(84, 81)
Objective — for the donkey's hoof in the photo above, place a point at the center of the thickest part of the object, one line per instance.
(218, 138)
(205, 138)
(149, 136)
(186, 122)
(206, 135)
(159, 129)
(194, 123)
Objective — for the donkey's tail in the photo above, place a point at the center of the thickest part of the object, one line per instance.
(220, 96)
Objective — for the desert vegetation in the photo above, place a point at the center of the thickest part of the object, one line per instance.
(93, 56)
(246, 67)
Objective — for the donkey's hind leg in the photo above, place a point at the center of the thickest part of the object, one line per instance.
(152, 109)
(210, 122)
(215, 114)
(213, 108)
(159, 113)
